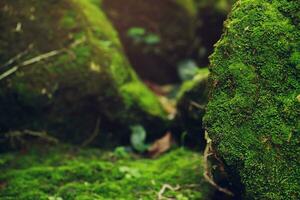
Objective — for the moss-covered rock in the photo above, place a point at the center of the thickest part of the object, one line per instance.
(253, 113)
(78, 72)
(63, 173)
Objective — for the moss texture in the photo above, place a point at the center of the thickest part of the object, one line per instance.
(253, 113)
(88, 79)
(66, 173)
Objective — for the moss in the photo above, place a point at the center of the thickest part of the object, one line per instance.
(69, 20)
(135, 94)
(60, 172)
(85, 78)
(253, 113)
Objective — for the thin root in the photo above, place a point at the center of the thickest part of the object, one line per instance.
(163, 189)
(207, 172)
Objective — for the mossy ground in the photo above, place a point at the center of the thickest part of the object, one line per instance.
(253, 113)
(64, 172)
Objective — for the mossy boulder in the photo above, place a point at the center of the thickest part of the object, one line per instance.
(61, 172)
(72, 71)
(253, 113)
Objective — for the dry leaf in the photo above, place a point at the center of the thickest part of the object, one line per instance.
(161, 145)
(160, 90)
(168, 105)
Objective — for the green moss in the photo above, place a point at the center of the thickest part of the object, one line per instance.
(253, 114)
(68, 20)
(60, 172)
(136, 95)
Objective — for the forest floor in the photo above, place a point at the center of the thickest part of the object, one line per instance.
(67, 173)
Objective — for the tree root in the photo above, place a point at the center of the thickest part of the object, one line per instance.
(207, 169)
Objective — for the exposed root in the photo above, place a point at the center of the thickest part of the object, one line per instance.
(163, 189)
(207, 171)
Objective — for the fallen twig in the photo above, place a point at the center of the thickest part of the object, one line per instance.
(29, 62)
(17, 57)
(163, 189)
(207, 172)
(94, 134)
(36, 59)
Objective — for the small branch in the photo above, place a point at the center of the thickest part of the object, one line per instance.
(40, 57)
(18, 56)
(9, 72)
(163, 189)
(94, 134)
(36, 59)
(207, 172)
(29, 62)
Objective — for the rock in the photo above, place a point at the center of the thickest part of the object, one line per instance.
(72, 72)
(253, 113)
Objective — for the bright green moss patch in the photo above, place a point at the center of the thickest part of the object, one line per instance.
(253, 113)
(69, 174)
(135, 94)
